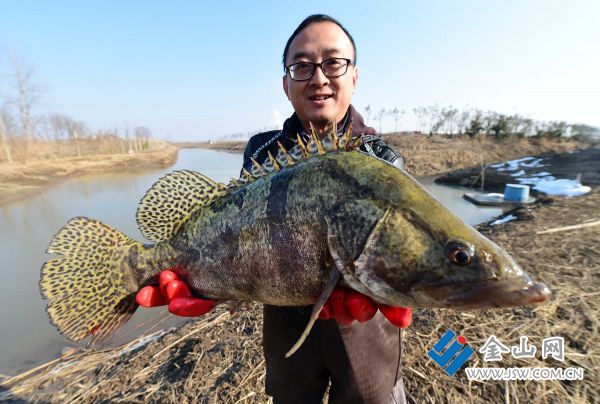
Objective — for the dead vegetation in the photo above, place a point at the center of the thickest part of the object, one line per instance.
(50, 166)
(427, 155)
(437, 154)
(218, 358)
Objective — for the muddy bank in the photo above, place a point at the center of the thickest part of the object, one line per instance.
(22, 180)
(578, 164)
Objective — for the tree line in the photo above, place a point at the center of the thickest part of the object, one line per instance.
(452, 121)
(22, 127)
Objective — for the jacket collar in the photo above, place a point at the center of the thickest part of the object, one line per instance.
(292, 125)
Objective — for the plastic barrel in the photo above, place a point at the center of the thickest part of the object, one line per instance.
(516, 193)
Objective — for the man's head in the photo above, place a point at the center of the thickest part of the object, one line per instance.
(320, 99)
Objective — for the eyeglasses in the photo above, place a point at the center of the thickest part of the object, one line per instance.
(303, 71)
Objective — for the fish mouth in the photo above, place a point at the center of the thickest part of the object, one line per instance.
(492, 293)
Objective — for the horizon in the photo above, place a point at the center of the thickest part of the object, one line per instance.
(176, 69)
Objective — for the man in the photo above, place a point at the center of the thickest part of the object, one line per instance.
(361, 360)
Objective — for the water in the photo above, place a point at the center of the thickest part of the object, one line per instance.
(27, 226)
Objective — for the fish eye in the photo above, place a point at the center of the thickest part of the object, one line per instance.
(459, 254)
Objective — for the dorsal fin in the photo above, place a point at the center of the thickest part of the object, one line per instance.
(171, 201)
(175, 197)
(301, 151)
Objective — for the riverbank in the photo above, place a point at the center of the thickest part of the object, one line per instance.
(20, 180)
(428, 155)
(581, 165)
(221, 146)
(423, 156)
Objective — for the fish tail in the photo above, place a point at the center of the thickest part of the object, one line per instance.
(91, 289)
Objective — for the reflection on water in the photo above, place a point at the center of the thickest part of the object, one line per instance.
(27, 226)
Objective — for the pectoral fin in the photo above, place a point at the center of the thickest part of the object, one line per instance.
(333, 280)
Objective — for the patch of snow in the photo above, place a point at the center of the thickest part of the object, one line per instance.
(513, 165)
(518, 173)
(535, 180)
(562, 187)
(542, 174)
(534, 163)
(505, 219)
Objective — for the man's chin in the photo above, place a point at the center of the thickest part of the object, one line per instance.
(322, 121)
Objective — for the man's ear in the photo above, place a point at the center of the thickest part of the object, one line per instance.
(355, 77)
(285, 86)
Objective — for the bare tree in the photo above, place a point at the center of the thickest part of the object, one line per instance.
(27, 95)
(421, 114)
(368, 112)
(449, 119)
(143, 134)
(4, 141)
(379, 116)
(436, 118)
(395, 113)
(462, 120)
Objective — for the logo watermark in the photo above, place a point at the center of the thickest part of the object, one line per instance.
(482, 374)
(451, 353)
(448, 359)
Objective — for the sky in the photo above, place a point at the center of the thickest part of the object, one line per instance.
(191, 70)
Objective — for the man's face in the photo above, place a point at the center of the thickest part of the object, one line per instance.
(316, 43)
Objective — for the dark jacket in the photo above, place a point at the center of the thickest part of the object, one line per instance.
(361, 360)
(259, 145)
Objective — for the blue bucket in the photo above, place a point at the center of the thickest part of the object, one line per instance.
(516, 193)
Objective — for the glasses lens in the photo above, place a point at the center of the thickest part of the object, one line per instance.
(301, 71)
(335, 67)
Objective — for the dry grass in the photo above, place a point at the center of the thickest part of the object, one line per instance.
(19, 180)
(38, 149)
(218, 358)
(437, 154)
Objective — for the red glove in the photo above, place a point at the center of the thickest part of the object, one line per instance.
(348, 305)
(174, 292)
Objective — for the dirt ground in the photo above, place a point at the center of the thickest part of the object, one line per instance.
(19, 180)
(218, 358)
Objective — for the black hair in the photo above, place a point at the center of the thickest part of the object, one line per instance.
(312, 19)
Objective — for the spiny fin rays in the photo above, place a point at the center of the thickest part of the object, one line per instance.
(171, 201)
(175, 197)
(301, 151)
(274, 162)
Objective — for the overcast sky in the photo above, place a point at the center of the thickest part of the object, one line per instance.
(200, 70)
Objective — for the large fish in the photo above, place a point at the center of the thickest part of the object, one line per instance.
(285, 234)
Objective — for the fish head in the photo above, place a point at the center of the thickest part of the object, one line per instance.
(418, 253)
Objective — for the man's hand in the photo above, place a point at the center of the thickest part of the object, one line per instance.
(348, 305)
(174, 292)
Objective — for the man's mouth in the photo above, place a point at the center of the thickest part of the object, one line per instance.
(320, 97)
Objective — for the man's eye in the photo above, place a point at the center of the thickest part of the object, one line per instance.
(333, 65)
(299, 67)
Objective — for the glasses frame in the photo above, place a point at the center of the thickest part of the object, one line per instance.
(320, 65)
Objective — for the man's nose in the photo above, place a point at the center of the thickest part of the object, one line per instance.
(319, 79)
